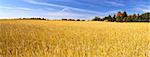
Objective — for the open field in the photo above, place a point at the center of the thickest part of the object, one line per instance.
(38, 38)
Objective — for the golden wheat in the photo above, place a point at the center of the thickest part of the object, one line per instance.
(36, 38)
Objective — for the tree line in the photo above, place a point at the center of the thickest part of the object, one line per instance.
(119, 17)
(31, 18)
(72, 20)
(124, 17)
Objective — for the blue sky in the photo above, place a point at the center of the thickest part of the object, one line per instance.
(57, 9)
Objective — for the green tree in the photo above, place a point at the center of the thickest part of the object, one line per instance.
(82, 20)
(146, 17)
(134, 17)
(130, 18)
(124, 14)
(127, 19)
(108, 18)
(78, 19)
(96, 18)
(64, 19)
(118, 19)
(114, 18)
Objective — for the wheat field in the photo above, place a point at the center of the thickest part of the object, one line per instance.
(39, 38)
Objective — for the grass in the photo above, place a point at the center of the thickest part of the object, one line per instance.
(38, 38)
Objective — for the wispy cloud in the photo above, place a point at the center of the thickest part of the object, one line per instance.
(113, 3)
(56, 11)
(142, 9)
(64, 13)
(70, 8)
(17, 12)
(61, 6)
(16, 8)
(67, 11)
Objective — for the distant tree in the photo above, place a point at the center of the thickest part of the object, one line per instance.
(138, 15)
(43, 19)
(146, 17)
(130, 18)
(118, 19)
(71, 19)
(82, 20)
(127, 19)
(78, 19)
(139, 18)
(23, 18)
(135, 17)
(64, 19)
(124, 14)
(124, 17)
(96, 18)
(110, 18)
(101, 19)
(105, 18)
(114, 18)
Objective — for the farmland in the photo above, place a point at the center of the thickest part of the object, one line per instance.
(40, 38)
